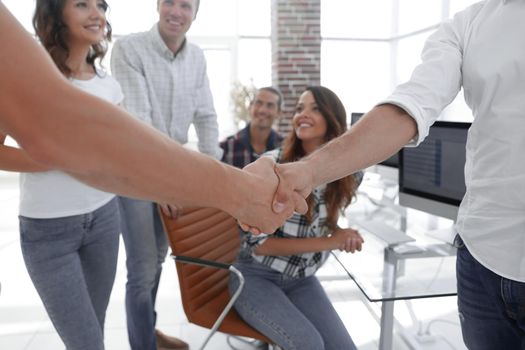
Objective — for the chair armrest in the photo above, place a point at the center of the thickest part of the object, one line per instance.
(201, 262)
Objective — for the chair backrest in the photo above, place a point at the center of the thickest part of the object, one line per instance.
(209, 234)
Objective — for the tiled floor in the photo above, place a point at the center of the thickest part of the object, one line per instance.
(24, 324)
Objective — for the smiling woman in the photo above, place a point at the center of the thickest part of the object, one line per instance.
(74, 32)
(55, 207)
(70, 237)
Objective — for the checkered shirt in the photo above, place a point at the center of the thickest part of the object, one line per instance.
(166, 90)
(297, 227)
(238, 150)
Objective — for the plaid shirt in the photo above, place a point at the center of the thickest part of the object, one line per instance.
(296, 266)
(238, 150)
(166, 90)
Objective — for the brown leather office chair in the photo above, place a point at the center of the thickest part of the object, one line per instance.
(204, 243)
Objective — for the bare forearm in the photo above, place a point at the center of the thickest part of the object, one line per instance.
(378, 135)
(65, 128)
(289, 246)
(125, 156)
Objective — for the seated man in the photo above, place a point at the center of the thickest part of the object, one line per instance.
(258, 136)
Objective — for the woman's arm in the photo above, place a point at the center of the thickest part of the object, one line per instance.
(348, 240)
(17, 160)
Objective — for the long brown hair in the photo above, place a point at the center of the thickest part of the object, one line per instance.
(53, 34)
(338, 194)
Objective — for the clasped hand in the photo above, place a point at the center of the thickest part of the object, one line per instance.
(292, 186)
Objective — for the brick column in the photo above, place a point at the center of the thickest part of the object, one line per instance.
(296, 50)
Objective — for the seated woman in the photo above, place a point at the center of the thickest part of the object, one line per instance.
(282, 298)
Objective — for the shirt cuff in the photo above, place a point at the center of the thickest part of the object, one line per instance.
(414, 112)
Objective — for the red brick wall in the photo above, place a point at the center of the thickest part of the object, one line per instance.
(296, 50)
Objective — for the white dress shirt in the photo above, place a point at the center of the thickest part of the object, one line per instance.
(482, 49)
(165, 90)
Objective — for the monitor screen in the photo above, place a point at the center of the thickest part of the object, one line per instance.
(431, 176)
(354, 117)
(393, 161)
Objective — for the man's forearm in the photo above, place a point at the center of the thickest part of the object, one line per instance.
(65, 128)
(378, 135)
(122, 155)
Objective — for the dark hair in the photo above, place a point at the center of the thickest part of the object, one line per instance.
(53, 34)
(274, 91)
(338, 194)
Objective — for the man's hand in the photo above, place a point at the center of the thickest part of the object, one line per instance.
(285, 198)
(257, 215)
(295, 184)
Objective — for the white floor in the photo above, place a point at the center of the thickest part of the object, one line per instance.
(24, 324)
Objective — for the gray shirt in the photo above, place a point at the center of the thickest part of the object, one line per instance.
(166, 90)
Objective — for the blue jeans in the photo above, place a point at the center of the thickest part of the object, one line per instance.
(295, 314)
(491, 307)
(146, 249)
(72, 263)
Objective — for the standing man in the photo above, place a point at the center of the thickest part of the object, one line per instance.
(165, 84)
(480, 50)
(258, 136)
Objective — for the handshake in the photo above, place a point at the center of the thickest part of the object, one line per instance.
(279, 191)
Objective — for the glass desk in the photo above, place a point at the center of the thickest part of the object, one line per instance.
(424, 268)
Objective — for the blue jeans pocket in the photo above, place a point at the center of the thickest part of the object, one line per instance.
(44, 230)
(513, 294)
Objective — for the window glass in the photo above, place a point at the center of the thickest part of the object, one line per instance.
(416, 14)
(254, 17)
(131, 16)
(358, 72)
(255, 62)
(356, 18)
(409, 55)
(23, 11)
(215, 18)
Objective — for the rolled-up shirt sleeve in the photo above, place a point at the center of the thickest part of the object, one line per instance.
(436, 81)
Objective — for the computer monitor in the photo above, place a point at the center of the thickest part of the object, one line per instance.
(393, 161)
(431, 176)
(354, 117)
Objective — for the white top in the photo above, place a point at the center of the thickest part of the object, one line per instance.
(54, 194)
(166, 90)
(482, 49)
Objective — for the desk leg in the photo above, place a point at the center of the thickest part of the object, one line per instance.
(387, 325)
(387, 307)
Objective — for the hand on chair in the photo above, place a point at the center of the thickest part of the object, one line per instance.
(170, 210)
